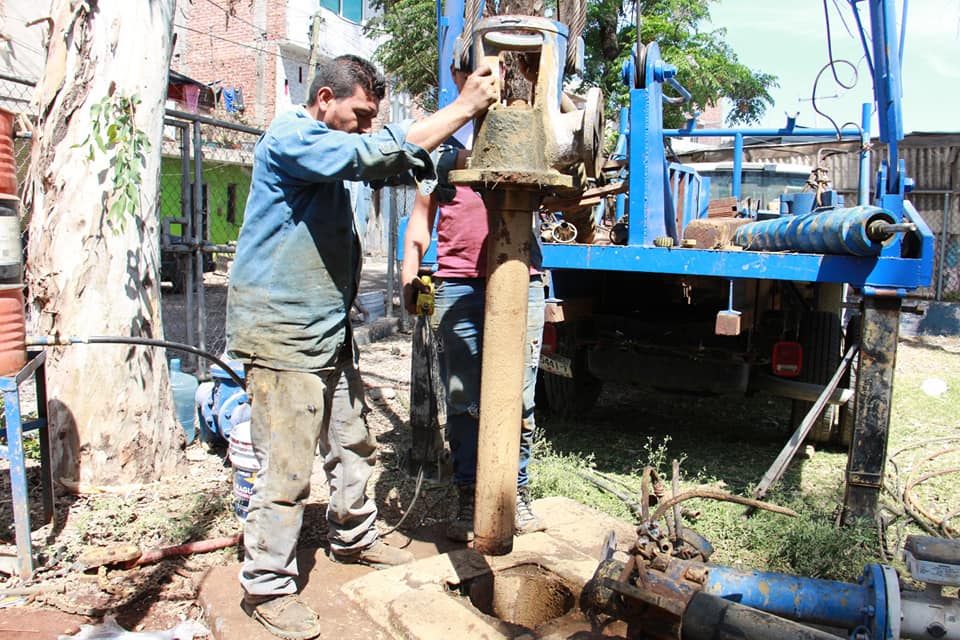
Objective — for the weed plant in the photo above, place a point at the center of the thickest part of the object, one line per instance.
(740, 445)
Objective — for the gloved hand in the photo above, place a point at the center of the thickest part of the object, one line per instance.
(412, 292)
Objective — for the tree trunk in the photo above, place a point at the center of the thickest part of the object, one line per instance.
(110, 406)
(516, 87)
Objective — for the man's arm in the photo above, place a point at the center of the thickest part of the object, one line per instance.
(478, 93)
(309, 152)
(416, 241)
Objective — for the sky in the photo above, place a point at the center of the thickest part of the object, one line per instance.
(787, 38)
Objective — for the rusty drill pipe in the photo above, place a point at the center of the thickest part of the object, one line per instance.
(501, 378)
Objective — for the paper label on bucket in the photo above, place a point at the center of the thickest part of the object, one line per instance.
(243, 480)
(10, 247)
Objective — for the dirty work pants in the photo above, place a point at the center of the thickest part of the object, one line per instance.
(291, 413)
(458, 324)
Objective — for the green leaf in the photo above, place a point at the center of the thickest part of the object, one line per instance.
(118, 208)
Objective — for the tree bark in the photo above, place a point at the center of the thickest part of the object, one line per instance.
(110, 407)
(515, 86)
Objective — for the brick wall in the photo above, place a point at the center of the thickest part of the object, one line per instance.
(262, 46)
(235, 42)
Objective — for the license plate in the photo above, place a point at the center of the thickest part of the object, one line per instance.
(557, 365)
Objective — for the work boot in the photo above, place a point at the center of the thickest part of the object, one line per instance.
(379, 555)
(461, 528)
(524, 519)
(286, 617)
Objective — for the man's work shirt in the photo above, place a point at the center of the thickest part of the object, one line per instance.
(297, 265)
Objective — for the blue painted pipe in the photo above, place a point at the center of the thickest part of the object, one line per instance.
(837, 231)
(825, 602)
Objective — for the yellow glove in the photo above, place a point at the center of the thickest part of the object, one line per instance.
(424, 296)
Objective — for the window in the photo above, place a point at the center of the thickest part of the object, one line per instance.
(232, 203)
(352, 10)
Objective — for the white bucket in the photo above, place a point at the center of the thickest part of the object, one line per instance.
(245, 467)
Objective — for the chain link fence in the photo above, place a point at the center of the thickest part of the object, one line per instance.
(16, 95)
(204, 161)
(205, 174)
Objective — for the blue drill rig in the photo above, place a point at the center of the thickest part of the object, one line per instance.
(652, 285)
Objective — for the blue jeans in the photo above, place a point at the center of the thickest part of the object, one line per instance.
(458, 325)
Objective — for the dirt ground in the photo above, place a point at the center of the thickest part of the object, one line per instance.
(194, 507)
(199, 506)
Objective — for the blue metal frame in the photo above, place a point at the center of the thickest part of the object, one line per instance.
(10, 387)
(651, 204)
(450, 22)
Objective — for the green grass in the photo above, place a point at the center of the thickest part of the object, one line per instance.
(732, 443)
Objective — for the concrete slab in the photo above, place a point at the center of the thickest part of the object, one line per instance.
(219, 592)
(414, 601)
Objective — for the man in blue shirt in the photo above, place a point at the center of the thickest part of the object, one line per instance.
(292, 284)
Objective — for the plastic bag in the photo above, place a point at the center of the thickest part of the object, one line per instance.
(110, 630)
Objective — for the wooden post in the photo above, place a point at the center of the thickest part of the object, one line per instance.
(314, 51)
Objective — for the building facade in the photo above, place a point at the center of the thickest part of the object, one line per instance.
(255, 54)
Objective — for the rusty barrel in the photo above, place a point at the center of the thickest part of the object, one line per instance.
(13, 351)
(8, 164)
(11, 245)
(13, 330)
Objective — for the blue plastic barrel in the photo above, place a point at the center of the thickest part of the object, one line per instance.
(184, 390)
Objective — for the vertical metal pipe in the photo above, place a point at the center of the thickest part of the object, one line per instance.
(46, 470)
(18, 476)
(392, 222)
(188, 197)
(737, 164)
(198, 238)
(942, 249)
(622, 153)
(392, 252)
(871, 427)
(501, 380)
(451, 26)
(863, 185)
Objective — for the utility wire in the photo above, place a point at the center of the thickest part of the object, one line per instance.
(239, 44)
(832, 65)
(261, 31)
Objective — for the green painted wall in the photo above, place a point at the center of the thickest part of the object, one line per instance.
(217, 176)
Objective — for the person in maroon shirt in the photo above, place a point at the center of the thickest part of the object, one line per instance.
(457, 321)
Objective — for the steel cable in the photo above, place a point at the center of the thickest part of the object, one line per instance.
(575, 17)
(471, 13)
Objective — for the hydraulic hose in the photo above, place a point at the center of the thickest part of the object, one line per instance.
(60, 341)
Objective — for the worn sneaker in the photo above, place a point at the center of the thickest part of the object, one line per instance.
(524, 519)
(379, 555)
(460, 528)
(286, 617)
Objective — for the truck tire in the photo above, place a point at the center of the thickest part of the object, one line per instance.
(820, 337)
(849, 380)
(569, 397)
